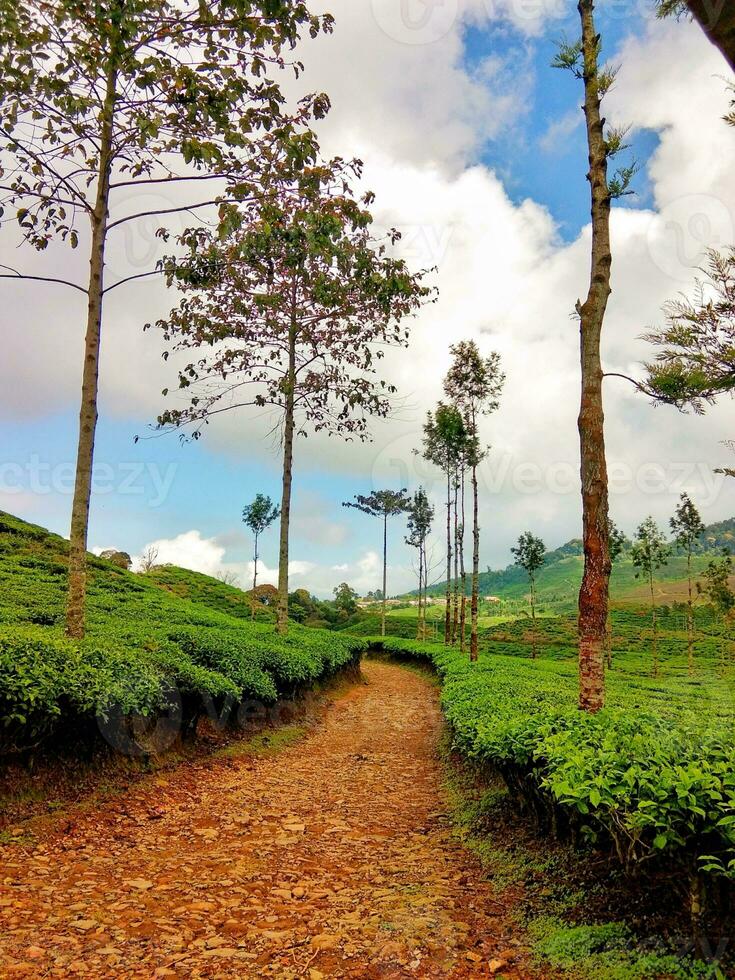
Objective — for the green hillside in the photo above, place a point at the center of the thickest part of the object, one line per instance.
(559, 580)
(147, 651)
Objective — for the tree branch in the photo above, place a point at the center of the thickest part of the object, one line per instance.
(140, 275)
(13, 274)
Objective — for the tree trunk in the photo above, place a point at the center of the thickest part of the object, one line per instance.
(533, 617)
(594, 593)
(255, 579)
(463, 575)
(474, 606)
(448, 611)
(654, 618)
(77, 588)
(419, 625)
(717, 20)
(385, 572)
(690, 617)
(288, 435)
(455, 611)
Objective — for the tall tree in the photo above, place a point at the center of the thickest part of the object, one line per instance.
(345, 599)
(258, 516)
(383, 504)
(616, 544)
(688, 528)
(474, 383)
(649, 553)
(445, 441)
(715, 17)
(420, 520)
(291, 310)
(105, 98)
(583, 60)
(530, 554)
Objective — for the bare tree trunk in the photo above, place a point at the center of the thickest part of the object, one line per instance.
(654, 618)
(288, 436)
(385, 572)
(533, 617)
(455, 611)
(474, 606)
(690, 616)
(594, 593)
(419, 623)
(77, 588)
(463, 574)
(448, 611)
(717, 20)
(255, 579)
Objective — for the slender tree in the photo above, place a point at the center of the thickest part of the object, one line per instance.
(291, 310)
(474, 383)
(649, 553)
(530, 554)
(688, 528)
(383, 504)
(583, 60)
(102, 99)
(258, 516)
(716, 587)
(617, 543)
(420, 520)
(444, 442)
(715, 17)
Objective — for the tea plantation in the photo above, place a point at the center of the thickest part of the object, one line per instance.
(148, 649)
(650, 779)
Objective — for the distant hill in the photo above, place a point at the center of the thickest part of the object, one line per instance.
(560, 578)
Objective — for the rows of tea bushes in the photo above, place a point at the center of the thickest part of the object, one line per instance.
(147, 650)
(651, 778)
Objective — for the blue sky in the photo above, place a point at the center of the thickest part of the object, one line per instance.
(422, 117)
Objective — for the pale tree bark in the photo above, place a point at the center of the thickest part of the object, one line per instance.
(455, 610)
(654, 618)
(594, 593)
(385, 573)
(255, 577)
(462, 573)
(288, 437)
(690, 618)
(77, 586)
(534, 638)
(448, 611)
(474, 605)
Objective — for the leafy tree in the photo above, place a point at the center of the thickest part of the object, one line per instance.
(695, 362)
(420, 520)
(649, 553)
(715, 17)
(101, 99)
(474, 383)
(120, 558)
(530, 554)
(617, 542)
(290, 311)
(383, 504)
(583, 60)
(688, 528)
(445, 442)
(716, 585)
(345, 599)
(258, 516)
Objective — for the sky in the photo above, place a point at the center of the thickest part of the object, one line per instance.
(475, 149)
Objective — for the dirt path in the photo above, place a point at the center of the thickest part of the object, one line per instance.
(332, 858)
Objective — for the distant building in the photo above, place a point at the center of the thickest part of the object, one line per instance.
(492, 598)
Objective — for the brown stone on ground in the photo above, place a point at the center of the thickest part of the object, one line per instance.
(334, 857)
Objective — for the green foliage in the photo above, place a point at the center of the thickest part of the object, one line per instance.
(651, 777)
(169, 633)
(650, 551)
(530, 553)
(260, 514)
(716, 585)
